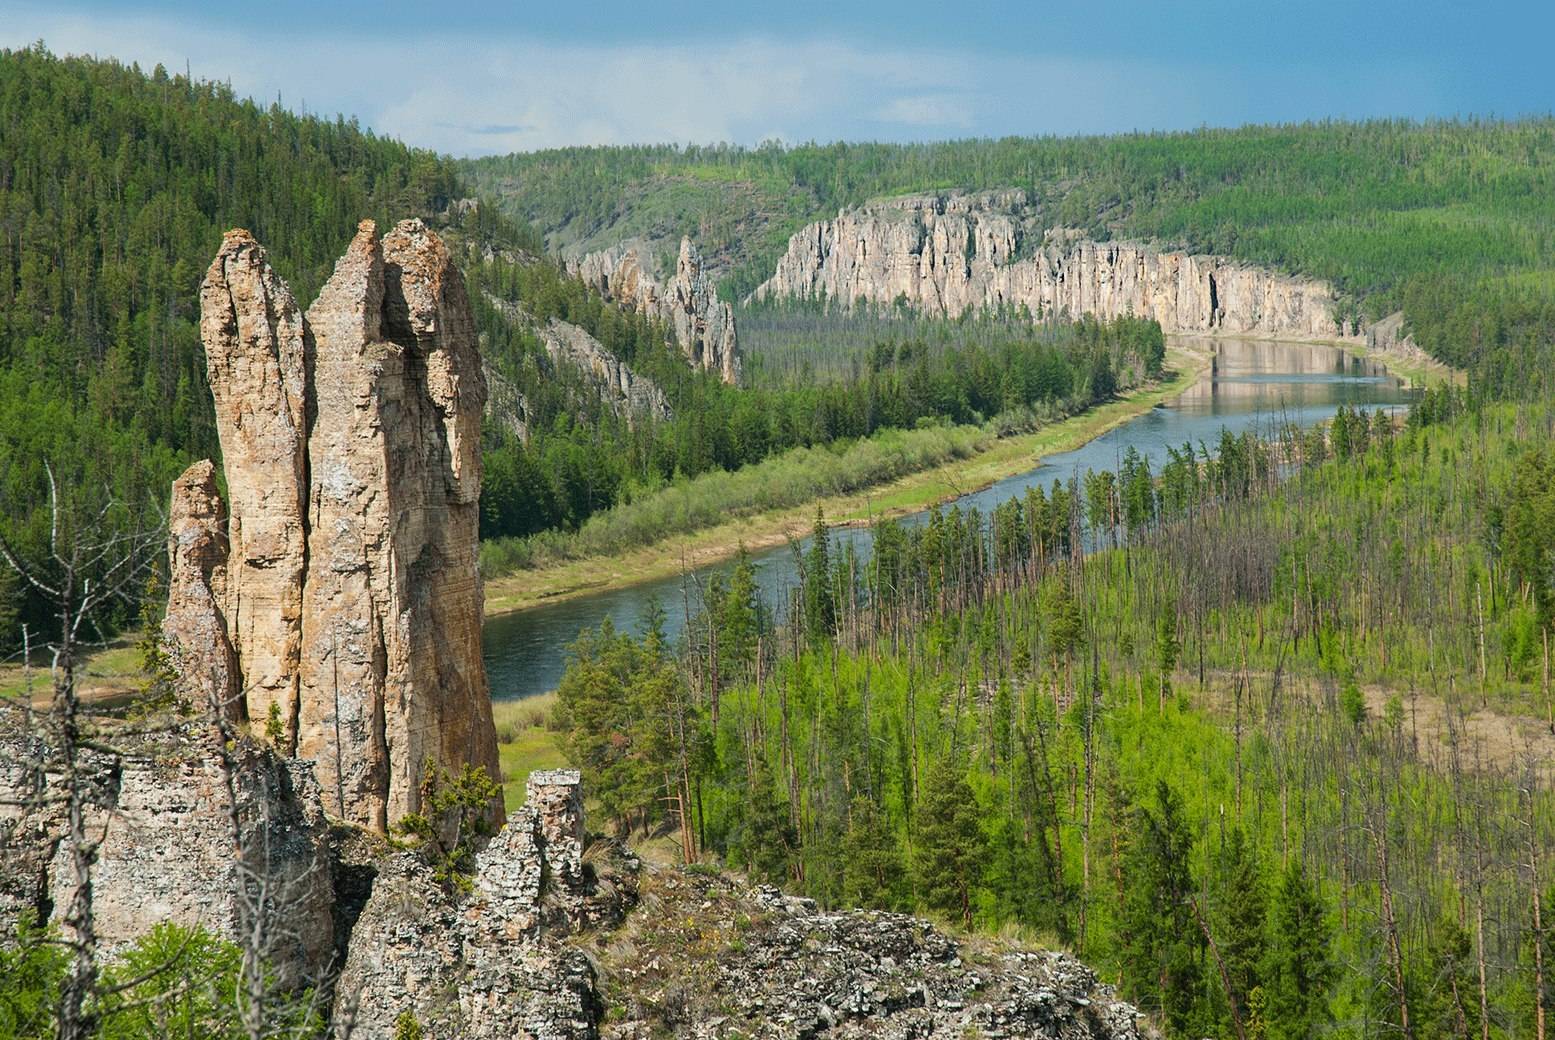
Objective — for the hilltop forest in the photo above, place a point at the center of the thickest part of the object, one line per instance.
(1451, 222)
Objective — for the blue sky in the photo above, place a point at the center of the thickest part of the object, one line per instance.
(487, 76)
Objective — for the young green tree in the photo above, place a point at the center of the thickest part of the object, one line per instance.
(949, 853)
(1242, 919)
(1300, 969)
(1162, 944)
(820, 605)
(872, 870)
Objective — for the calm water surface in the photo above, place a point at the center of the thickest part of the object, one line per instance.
(1253, 384)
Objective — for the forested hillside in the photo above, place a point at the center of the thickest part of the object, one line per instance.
(1454, 222)
(1240, 740)
(115, 189)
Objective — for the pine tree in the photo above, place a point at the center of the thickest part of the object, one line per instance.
(1300, 969)
(1448, 1003)
(820, 608)
(1161, 941)
(1241, 935)
(764, 840)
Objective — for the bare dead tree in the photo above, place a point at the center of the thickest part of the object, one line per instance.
(92, 563)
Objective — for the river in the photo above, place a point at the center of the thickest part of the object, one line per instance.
(1252, 384)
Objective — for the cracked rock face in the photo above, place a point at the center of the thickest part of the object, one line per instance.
(255, 360)
(688, 303)
(351, 445)
(491, 963)
(167, 848)
(946, 254)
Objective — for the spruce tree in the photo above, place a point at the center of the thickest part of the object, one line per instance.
(1161, 941)
(1241, 934)
(949, 856)
(872, 871)
(1299, 970)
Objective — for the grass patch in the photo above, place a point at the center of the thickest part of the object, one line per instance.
(109, 671)
(525, 743)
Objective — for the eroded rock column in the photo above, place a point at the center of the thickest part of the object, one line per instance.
(195, 626)
(351, 436)
(255, 354)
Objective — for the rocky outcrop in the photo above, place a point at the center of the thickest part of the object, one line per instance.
(167, 851)
(351, 444)
(626, 393)
(688, 303)
(205, 668)
(769, 965)
(947, 254)
(488, 964)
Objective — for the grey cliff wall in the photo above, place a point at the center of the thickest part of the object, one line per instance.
(688, 303)
(952, 252)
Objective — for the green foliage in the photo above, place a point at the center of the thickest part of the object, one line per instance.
(408, 1027)
(1160, 939)
(1450, 221)
(454, 820)
(614, 478)
(174, 981)
(1301, 968)
(31, 971)
(949, 849)
(625, 721)
(116, 189)
(873, 873)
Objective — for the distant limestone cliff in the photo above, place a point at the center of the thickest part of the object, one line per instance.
(688, 303)
(337, 594)
(947, 253)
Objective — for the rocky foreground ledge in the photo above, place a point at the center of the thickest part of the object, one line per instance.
(559, 936)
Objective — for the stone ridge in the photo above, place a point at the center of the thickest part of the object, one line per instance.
(688, 303)
(350, 593)
(948, 253)
(627, 393)
(167, 851)
(488, 964)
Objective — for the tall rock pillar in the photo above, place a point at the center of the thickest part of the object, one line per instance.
(255, 358)
(351, 438)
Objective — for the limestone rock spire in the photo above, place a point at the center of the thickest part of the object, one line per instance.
(255, 353)
(351, 439)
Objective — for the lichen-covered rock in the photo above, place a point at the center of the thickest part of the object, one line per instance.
(688, 303)
(625, 392)
(194, 628)
(168, 852)
(948, 253)
(353, 607)
(489, 963)
(718, 960)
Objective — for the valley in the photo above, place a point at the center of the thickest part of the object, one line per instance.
(976, 581)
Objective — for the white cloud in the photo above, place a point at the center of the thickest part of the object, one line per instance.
(928, 110)
(492, 93)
